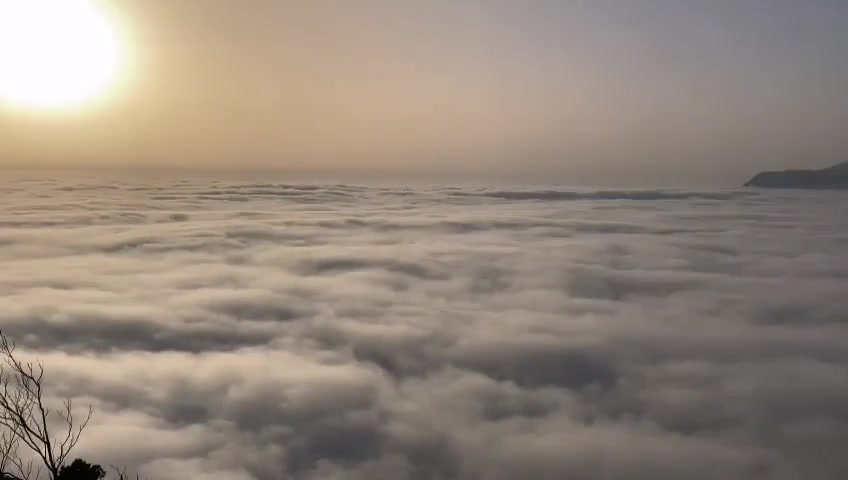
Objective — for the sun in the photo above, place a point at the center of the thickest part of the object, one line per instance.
(56, 53)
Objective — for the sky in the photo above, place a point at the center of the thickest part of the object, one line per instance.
(580, 92)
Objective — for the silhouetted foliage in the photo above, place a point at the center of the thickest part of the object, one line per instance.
(79, 469)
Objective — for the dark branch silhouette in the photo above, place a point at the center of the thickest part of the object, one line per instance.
(27, 420)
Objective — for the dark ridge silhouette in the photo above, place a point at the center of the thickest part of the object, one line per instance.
(834, 178)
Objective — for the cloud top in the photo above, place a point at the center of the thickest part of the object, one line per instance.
(276, 331)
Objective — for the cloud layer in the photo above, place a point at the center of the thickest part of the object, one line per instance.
(235, 330)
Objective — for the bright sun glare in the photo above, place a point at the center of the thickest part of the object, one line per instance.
(56, 53)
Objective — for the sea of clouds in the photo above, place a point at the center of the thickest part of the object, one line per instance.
(230, 329)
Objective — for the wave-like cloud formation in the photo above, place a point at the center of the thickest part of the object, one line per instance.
(237, 331)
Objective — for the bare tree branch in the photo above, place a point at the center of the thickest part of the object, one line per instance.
(121, 473)
(12, 466)
(27, 417)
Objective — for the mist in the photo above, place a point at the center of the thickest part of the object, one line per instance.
(268, 330)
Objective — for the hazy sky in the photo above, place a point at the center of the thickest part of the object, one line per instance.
(650, 91)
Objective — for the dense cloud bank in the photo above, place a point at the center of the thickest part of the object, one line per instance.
(226, 330)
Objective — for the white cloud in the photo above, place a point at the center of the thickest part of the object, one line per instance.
(230, 331)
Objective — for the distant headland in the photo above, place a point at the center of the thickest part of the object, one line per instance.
(835, 177)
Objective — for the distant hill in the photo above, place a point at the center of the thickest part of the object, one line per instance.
(835, 177)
